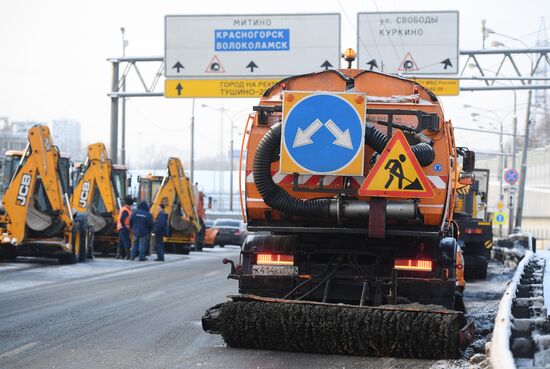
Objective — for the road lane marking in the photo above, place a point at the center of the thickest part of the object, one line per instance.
(211, 274)
(18, 350)
(151, 296)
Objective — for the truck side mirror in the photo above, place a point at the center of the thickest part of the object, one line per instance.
(466, 179)
(469, 161)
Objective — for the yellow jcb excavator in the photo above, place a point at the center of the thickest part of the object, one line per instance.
(36, 215)
(99, 187)
(176, 193)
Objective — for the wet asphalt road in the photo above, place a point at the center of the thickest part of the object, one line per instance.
(121, 314)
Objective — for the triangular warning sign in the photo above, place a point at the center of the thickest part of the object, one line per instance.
(397, 173)
(408, 64)
(215, 66)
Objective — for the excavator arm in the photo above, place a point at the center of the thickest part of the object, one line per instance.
(176, 184)
(96, 173)
(37, 171)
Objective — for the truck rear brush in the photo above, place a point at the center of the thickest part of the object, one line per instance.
(409, 331)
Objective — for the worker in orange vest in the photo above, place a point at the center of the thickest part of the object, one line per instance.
(123, 228)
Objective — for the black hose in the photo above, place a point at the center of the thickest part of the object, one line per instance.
(377, 140)
(275, 196)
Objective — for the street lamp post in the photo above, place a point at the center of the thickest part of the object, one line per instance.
(514, 149)
(123, 104)
(231, 119)
(193, 142)
(231, 170)
(522, 178)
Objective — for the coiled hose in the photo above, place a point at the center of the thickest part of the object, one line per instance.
(277, 198)
(377, 140)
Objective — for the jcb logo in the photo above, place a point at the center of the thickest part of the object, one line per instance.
(83, 201)
(23, 190)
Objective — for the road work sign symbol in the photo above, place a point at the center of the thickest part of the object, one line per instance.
(397, 173)
(500, 217)
(323, 133)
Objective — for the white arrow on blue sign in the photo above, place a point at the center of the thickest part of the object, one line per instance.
(323, 133)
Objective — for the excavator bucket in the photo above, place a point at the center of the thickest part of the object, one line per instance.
(409, 331)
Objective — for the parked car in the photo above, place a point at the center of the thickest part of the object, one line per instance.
(210, 233)
(229, 232)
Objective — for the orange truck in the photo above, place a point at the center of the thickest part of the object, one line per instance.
(353, 173)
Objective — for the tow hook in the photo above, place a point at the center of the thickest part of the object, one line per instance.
(233, 273)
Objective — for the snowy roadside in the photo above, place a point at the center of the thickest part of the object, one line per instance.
(34, 272)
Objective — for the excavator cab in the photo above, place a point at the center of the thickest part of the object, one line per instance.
(148, 187)
(120, 180)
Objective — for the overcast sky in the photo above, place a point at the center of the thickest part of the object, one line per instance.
(53, 62)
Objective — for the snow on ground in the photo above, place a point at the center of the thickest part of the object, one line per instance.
(27, 272)
(482, 298)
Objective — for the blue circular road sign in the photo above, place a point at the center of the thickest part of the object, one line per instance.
(500, 217)
(323, 133)
(511, 176)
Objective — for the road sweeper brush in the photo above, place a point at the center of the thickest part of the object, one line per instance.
(353, 175)
(415, 330)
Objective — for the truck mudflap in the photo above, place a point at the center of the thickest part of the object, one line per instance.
(409, 331)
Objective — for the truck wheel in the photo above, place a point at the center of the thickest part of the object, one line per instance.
(66, 259)
(459, 302)
(79, 241)
(8, 253)
(482, 274)
(182, 249)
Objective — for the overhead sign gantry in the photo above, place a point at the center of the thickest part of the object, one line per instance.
(242, 55)
(411, 43)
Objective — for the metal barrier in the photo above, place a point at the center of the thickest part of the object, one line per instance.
(522, 315)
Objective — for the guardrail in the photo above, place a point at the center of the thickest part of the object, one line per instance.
(512, 249)
(521, 323)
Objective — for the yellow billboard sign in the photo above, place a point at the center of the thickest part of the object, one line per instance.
(442, 87)
(197, 88)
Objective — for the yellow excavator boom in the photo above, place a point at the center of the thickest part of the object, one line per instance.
(96, 173)
(175, 184)
(38, 163)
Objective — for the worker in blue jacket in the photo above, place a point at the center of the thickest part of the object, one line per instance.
(141, 223)
(160, 230)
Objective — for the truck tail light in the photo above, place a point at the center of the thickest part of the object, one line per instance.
(274, 259)
(473, 230)
(413, 264)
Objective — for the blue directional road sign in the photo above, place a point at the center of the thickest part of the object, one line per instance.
(511, 176)
(323, 133)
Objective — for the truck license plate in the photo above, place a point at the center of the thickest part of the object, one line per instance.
(274, 270)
